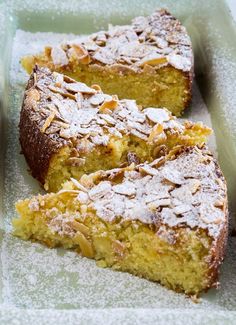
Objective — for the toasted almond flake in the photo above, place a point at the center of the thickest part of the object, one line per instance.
(96, 87)
(100, 190)
(56, 90)
(81, 53)
(194, 185)
(138, 134)
(159, 203)
(33, 94)
(179, 62)
(35, 78)
(109, 104)
(126, 188)
(96, 99)
(157, 115)
(79, 87)
(156, 131)
(148, 170)
(82, 197)
(74, 192)
(85, 246)
(47, 51)
(78, 226)
(48, 121)
(79, 185)
(79, 99)
(59, 56)
(172, 175)
(153, 60)
(62, 124)
(210, 214)
(58, 79)
(182, 208)
(219, 203)
(65, 133)
(68, 79)
(109, 119)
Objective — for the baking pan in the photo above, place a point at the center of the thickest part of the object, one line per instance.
(44, 286)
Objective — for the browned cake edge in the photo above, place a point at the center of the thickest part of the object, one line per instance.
(220, 243)
(36, 146)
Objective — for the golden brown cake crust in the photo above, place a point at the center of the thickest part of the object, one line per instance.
(36, 146)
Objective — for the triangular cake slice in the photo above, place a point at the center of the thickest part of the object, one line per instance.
(165, 221)
(150, 61)
(68, 129)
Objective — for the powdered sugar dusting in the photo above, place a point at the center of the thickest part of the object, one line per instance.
(36, 277)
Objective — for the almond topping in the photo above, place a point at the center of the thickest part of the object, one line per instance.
(81, 54)
(156, 130)
(48, 121)
(78, 226)
(34, 94)
(85, 246)
(153, 60)
(109, 104)
(96, 87)
(79, 87)
(79, 185)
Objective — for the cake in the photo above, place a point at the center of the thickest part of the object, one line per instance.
(68, 129)
(150, 61)
(165, 221)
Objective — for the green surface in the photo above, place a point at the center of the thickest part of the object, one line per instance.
(213, 34)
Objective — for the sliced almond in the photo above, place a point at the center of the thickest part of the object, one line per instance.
(61, 92)
(85, 246)
(79, 87)
(96, 99)
(156, 131)
(148, 170)
(81, 53)
(58, 56)
(153, 60)
(48, 121)
(74, 192)
(78, 226)
(58, 79)
(79, 185)
(47, 51)
(96, 87)
(34, 94)
(109, 104)
(157, 115)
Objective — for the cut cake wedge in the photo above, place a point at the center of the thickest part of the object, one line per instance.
(68, 129)
(150, 61)
(165, 221)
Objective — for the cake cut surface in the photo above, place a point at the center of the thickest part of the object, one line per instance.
(68, 129)
(150, 61)
(165, 221)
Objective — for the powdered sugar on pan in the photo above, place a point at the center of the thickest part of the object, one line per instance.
(35, 277)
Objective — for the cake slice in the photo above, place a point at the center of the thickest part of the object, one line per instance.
(150, 61)
(165, 221)
(68, 129)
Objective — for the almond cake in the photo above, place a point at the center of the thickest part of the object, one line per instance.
(165, 221)
(150, 61)
(68, 129)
